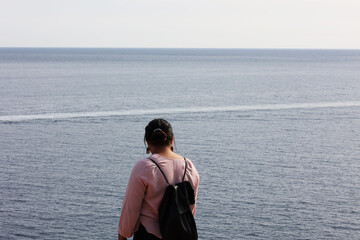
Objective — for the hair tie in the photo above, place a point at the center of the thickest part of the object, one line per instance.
(157, 129)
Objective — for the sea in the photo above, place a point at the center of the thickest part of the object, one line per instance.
(273, 133)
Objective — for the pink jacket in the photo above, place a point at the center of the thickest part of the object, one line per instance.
(145, 190)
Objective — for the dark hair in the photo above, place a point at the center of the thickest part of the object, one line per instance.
(159, 132)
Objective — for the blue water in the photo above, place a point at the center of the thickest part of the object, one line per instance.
(274, 135)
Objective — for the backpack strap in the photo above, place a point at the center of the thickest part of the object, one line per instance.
(185, 169)
(164, 173)
(160, 171)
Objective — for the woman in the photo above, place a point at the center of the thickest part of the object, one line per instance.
(146, 187)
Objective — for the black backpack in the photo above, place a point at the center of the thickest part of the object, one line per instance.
(175, 216)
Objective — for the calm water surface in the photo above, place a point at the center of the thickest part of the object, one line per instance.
(274, 135)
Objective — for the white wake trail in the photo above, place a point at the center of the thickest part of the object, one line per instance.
(264, 107)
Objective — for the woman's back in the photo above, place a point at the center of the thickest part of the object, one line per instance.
(146, 188)
(147, 184)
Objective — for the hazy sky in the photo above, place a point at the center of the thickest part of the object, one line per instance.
(180, 23)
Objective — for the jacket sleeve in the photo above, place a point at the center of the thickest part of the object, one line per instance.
(132, 202)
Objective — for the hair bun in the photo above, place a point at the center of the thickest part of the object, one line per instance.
(158, 132)
(158, 136)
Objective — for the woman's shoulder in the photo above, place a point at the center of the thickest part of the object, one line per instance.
(191, 167)
(144, 162)
(141, 165)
